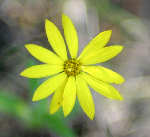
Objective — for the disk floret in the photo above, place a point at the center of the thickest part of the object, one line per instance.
(72, 67)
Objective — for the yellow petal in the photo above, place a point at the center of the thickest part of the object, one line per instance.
(48, 87)
(39, 71)
(102, 87)
(97, 43)
(85, 97)
(103, 74)
(55, 39)
(70, 35)
(42, 54)
(69, 96)
(101, 55)
(57, 98)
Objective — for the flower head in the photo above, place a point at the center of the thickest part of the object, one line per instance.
(71, 77)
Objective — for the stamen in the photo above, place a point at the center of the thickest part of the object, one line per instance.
(72, 67)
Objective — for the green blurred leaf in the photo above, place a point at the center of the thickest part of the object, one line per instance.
(11, 104)
(34, 115)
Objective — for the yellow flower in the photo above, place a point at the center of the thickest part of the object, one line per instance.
(70, 77)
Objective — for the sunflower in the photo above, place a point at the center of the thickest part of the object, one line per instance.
(70, 77)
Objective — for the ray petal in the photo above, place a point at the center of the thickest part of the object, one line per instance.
(70, 35)
(56, 101)
(104, 74)
(55, 39)
(102, 55)
(42, 54)
(40, 71)
(102, 87)
(97, 43)
(85, 97)
(69, 96)
(48, 87)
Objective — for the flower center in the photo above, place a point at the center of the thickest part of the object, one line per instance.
(72, 67)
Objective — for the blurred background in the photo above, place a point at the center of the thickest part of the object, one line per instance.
(22, 22)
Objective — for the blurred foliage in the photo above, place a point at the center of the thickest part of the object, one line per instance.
(33, 116)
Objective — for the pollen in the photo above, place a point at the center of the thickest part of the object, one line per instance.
(72, 67)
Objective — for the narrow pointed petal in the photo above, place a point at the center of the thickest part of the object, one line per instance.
(40, 71)
(102, 87)
(48, 87)
(69, 96)
(56, 101)
(102, 55)
(44, 55)
(104, 74)
(55, 39)
(97, 43)
(85, 97)
(70, 35)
